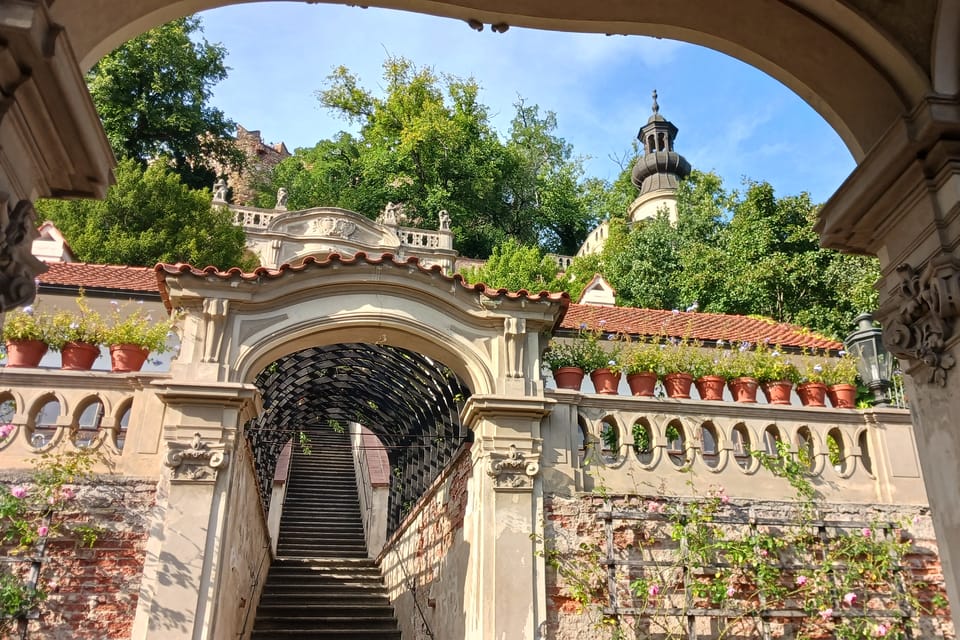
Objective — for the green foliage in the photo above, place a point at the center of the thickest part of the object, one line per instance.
(153, 93)
(642, 356)
(303, 441)
(27, 324)
(748, 253)
(428, 144)
(86, 325)
(138, 328)
(842, 370)
(514, 266)
(770, 365)
(149, 216)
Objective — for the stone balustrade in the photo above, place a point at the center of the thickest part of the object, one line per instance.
(649, 446)
(252, 219)
(420, 239)
(53, 410)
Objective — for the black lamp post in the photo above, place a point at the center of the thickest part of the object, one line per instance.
(874, 364)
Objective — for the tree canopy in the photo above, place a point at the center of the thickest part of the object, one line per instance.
(427, 143)
(149, 216)
(152, 94)
(515, 266)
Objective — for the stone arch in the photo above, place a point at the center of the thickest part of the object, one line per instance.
(856, 74)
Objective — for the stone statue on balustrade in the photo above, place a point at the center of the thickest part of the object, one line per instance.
(220, 191)
(281, 199)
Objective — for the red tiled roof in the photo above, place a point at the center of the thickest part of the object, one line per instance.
(697, 326)
(100, 276)
(335, 260)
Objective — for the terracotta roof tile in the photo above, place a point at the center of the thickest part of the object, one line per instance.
(336, 260)
(100, 276)
(698, 326)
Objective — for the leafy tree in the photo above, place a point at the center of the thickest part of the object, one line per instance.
(152, 94)
(427, 143)
(515, 266)
(149, 216)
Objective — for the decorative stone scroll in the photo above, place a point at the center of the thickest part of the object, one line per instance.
(513, 471)
(18, 267)
(925, 307)
(333, 227)
(197, 461)
(515, 337)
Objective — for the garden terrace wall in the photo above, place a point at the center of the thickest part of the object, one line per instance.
(576, 527)
(877, 453)
(93, 591)
(425, 563)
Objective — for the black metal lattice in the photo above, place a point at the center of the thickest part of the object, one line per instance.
(411, 402)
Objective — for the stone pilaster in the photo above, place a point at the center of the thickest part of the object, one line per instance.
(179, 590)
(903, 204)
(508, 599)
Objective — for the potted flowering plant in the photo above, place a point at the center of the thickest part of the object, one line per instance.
(133, 337)
(27, 335)
(712, 379)
(600, 359)
(565, 360)
(642, 361)
(78, 336)
(775, 373)
(683, 361)
(840, 376)
(738, 366)
(812, 388)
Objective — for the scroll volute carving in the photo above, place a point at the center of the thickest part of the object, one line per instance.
(18, 267)
(921, 315)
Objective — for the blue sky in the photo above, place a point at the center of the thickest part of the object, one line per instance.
(733, 119)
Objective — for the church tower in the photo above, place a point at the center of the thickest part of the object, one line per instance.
(659, 170)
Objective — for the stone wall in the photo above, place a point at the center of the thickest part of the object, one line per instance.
(260, 159)
(577, 528)
(93, 591)
(425, 561)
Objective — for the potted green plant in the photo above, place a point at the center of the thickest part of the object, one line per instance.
(683, 361)
(78, 336)
(812, 389)
(711, 381)
(642, 362)
(840, 376)
(132, 337)
(27, 336)
(739, 368)
(601, 359)
(775, 373)
(565, 360)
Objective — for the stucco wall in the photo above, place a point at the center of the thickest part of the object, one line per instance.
(428, 552)
(93, 591)
(247, 552)
(571, 522)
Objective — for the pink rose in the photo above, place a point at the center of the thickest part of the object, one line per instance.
(18, 491)
(801, 580)
(67, 493)
(730, 592)
(43, 530)
(866, 532)
(5, 430)
(826, 614)
(724, 498)
(654, 590)
(850, 597)
(880, 630)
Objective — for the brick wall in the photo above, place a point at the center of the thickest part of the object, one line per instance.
(93, 591)
(261, 158)
(575, 527)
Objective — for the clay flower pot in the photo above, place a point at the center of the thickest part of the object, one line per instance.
(678, 385)
(605, 381)
(25, 353)
(812, 394)
(125, 358)
(78, 356)
(711, 387)
(568, 378)
(743, 389)
(778, 391)
(843, 396)
(642, 384)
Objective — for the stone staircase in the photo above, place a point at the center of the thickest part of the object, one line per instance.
(322, 584)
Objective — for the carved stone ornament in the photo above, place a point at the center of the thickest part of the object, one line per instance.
(333, 227)
(196, 461)
(513, 471)
(926, 306)
(18, 267)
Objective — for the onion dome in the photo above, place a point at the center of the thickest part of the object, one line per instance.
(660, 167)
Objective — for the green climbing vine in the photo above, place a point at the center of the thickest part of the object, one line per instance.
(700, 558)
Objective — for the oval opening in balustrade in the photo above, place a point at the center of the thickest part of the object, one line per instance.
(676, 443)
(120, 432)
(87, 426)
(805, 447)
(863, 443)
(642, 441)
(8, 411)
(43, 425)
(835, 451)
(740, 440)
(771, 441)
(709, 444)
(609, 438)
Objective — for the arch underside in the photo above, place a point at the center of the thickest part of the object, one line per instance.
(411, 402)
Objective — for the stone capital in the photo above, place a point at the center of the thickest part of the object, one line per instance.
(197, 460)
(514, 470)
